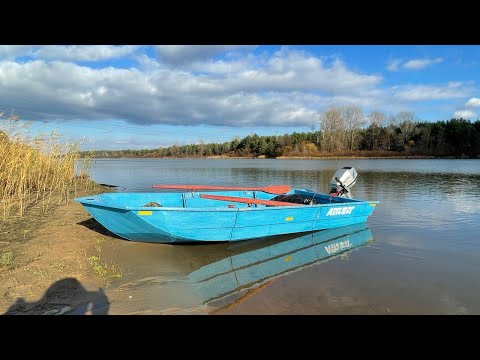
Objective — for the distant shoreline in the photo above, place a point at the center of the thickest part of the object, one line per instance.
(362, 157)
(402, 157)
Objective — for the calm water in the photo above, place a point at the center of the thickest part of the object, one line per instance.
(419, 253)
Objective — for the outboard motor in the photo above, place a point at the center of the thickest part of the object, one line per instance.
(342, 182)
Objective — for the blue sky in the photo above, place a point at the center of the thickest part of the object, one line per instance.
(119, 97)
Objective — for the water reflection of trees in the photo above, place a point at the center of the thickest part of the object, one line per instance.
(311, 179)
(408, 184)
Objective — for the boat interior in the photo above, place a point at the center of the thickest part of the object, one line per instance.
(193, 199)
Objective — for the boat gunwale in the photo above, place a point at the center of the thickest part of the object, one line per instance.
(98, 200)
(208, 209)
(218, 208)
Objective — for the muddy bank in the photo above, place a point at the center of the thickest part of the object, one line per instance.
(64, 262)
(49, 261)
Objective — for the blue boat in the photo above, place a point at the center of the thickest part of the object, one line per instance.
(227, 215)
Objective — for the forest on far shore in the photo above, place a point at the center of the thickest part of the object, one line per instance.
(343, 131)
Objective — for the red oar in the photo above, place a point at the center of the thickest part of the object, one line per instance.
(272, 189)
(247, 200)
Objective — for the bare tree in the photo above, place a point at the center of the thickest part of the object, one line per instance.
(405, 121)
(426, 134)
(377, 121)
(353, 118)
(332, 126)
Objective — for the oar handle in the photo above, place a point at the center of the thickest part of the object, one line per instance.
(271, 189)
(248, 200)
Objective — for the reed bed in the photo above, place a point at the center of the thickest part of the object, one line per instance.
(35, 169)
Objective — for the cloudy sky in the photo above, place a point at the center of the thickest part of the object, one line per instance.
(118, 97)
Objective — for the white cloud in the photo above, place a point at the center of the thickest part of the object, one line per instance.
(84, 52)
(66, 90)
(473, 102)
(289, 70)
(452, 90)
(417, 64)
(393, 65)
(466, 114)
(13, 51)
(286, 88)
(222, 67)
(183, 54)
(67, 52)
(414, 64)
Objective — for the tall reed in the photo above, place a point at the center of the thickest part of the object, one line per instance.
(33, 170)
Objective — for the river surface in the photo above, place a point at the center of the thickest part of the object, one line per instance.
(418, 253)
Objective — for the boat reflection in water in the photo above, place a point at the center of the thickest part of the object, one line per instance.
(208, 277)
(259, 261)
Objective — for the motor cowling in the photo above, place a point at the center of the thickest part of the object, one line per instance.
(342, 182)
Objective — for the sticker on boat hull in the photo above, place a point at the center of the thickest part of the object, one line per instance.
(145, 212)
(289, 218)
(340, 211)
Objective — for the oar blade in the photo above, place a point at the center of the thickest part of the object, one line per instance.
(186, 187)
(271, 189)
(276, 189)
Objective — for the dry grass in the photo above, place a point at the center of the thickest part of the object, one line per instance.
(35, 169)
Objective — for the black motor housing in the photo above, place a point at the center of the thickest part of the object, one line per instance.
(296, 198)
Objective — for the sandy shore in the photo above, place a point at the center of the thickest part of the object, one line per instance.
(50, 263)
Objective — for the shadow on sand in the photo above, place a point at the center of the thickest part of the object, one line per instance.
(66, 296)
(94, 225)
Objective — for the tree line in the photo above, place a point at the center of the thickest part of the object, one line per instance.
(342, 131)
